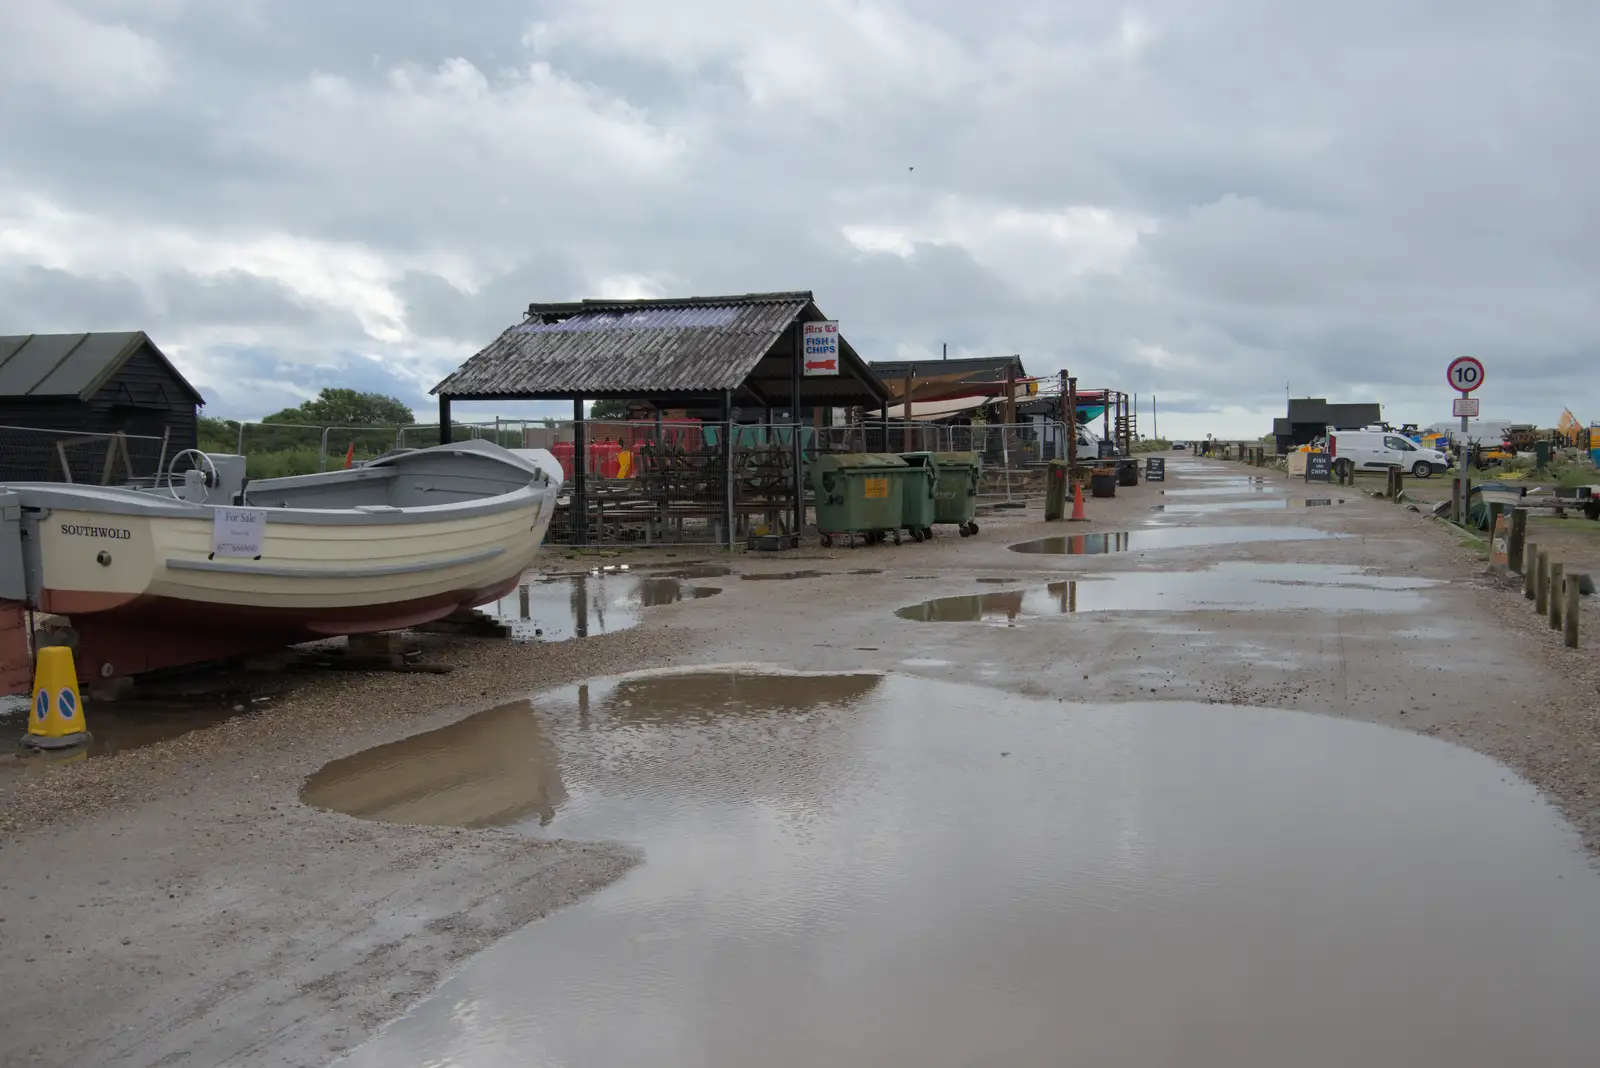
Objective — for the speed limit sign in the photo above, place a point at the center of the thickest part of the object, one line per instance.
(1465, 374)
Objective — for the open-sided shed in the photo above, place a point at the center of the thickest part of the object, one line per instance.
(721, 352)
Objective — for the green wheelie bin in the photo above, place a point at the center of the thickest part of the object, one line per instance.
(917, 503)
(955, 493)
(858, 493)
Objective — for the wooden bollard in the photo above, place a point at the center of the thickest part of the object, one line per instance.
(1557, 595)
(1518, 537)
(1541, 591)
(1574, 608)
(1530, 573)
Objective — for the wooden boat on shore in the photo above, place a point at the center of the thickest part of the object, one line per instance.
(215, 567)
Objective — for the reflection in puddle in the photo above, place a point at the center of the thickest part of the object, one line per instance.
(1165, 538)
(1225, 586)
(578, 606)
(115, 727)
(1278, 504)
(903, 871)
(1240, 490)
(782, 576)
(494, 768)
(695, 571)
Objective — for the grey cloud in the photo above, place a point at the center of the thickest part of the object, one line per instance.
(40, 300)
(436, 308)
(1343, 195)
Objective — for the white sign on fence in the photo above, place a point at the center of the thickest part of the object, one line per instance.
(820, 346)
(238, 531)
(1466, 407)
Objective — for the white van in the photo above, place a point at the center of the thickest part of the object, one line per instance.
(1370, 450)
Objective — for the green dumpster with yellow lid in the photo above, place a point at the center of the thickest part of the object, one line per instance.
(859, 494)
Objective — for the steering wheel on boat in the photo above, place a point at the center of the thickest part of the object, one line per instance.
(202, 462)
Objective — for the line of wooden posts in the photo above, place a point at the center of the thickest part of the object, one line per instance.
(1553, 590)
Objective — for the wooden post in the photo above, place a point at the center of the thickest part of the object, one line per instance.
(1008, 412)
(579, 508)
(444, 420)
(1518, 537)
(1557, 595)
(1541, 589)
(1067, 419)
(797, 450)
(1072, 426)
(727, 467)
(1574, 609)
(1530, 570)
(910, 385)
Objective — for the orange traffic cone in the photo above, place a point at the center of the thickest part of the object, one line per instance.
(1077, 504)
(350, 455)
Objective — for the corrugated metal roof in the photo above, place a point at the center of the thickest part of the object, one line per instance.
(691, 345)
(973, 368)
(69, 365)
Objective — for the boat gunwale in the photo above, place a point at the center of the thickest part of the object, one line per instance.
(116, 500)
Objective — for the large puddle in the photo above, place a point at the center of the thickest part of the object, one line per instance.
(860, 871)
(579, 606)
(1223, 587)
(1165, 538)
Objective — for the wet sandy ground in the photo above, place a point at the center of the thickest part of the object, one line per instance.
(305, 929)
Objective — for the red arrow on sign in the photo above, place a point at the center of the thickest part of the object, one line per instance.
(822, 365)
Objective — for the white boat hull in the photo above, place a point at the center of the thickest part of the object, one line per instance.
(143, 585)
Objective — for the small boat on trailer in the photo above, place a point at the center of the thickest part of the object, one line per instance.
(209, 566)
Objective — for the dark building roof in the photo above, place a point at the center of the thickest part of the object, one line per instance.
(976, 369)
(694, 346)
(73, 366)
(1318, 411)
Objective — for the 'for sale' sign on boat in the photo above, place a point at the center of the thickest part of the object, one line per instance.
(820, 348)
(238, 531)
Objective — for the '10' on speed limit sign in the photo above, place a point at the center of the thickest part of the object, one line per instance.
(1465, 374)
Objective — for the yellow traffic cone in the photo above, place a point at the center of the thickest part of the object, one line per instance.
(56, 719)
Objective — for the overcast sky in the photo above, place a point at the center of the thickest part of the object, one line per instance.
(1206, 201)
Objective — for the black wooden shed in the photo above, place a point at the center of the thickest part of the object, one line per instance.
(64, 397)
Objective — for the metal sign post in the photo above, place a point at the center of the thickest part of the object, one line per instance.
(1464, 374)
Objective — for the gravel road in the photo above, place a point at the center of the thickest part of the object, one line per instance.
(177, 904)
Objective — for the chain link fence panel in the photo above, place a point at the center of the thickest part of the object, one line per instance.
(29, 454)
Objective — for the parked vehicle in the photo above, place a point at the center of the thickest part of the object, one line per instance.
(1363, 450)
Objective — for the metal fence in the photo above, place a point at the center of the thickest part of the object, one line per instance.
(629, 483)
(30, 454)
(644, 482)
(275, 449)
(688, 481)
